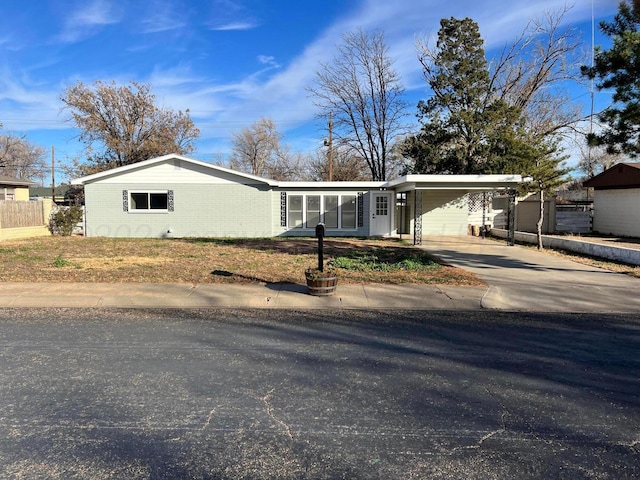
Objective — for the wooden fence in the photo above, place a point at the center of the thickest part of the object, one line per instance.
(573, 219)
(21, 214)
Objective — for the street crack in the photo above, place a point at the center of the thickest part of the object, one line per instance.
(266, 400)
(208, 420)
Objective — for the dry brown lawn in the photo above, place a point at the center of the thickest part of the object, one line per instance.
(79, 259)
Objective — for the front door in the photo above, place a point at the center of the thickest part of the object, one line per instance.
(380, 214)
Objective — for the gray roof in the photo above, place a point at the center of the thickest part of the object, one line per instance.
(15, 182)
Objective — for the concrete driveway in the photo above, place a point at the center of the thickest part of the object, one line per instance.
(523, 279)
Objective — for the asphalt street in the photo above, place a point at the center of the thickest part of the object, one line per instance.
(226, 394)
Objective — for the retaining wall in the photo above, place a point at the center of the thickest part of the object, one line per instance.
(620, 254)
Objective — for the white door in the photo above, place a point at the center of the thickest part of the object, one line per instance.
(380, 214)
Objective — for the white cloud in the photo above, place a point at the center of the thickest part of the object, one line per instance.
(228, 15)
(234, 26)
(165, 16)
(267, 59)
(85, 20)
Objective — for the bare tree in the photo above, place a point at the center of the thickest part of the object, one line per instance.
(254, 146)
(364, 93)
(286, 165)
(125, 121)
(532, 72)
(20, 158)
(347, 167)
(596, 159)
(257, 150)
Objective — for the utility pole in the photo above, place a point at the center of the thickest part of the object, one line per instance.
(53, 178)
(330, 146)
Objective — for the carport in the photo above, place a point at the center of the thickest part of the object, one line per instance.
(438, 204)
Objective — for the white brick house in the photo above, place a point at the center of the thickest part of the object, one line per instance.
(176, 196)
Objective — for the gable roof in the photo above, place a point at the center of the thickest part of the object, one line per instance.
(401, 184)
(15, 182)
(154, 161)
(621, 175)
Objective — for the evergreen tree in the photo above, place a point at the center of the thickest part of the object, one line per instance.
(619, 69)
(543, 164)
(464, 122)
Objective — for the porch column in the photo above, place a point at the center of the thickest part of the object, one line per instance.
(511, 218)
(417, 217)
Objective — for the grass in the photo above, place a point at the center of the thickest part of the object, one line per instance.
(113, 260)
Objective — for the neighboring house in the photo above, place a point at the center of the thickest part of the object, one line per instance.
(616, 202)
(14, 189)
(175, 196)
(19, 217)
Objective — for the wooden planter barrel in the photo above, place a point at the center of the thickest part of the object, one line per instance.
(322, 286)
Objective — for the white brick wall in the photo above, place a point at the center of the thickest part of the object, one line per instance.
(230, 210)
(444, 212)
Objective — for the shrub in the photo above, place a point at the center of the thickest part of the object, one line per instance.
(64, 220)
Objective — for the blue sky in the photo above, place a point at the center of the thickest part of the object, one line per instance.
(230, 62)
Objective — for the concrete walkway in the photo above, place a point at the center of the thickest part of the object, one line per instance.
(519, 279)
(524, 279)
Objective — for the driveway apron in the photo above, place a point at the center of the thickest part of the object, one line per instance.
(523, 279)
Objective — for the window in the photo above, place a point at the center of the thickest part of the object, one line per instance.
(331, 211)
(348, 208)
(295, 211)
(335, 211)
(313, 210)
(382, 205)
(7, 194)
(155, 201)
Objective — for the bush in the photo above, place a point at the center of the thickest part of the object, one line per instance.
(64, 220)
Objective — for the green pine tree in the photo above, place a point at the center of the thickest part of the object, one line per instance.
(463, 123)
(619, 69)
(543, 164)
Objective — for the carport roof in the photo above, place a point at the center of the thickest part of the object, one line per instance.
(462, 182)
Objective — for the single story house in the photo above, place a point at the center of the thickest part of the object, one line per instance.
(20, 217)
(14, 188)
(176, 196)
(616, 200)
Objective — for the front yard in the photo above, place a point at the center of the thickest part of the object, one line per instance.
(78, 259)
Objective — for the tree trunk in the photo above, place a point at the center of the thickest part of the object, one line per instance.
(540, 220)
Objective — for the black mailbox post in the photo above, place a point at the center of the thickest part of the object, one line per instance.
(320, 237)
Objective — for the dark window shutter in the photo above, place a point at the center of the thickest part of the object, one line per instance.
(283, 209)
(170, 205)
(360, 209)
(125, 200)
